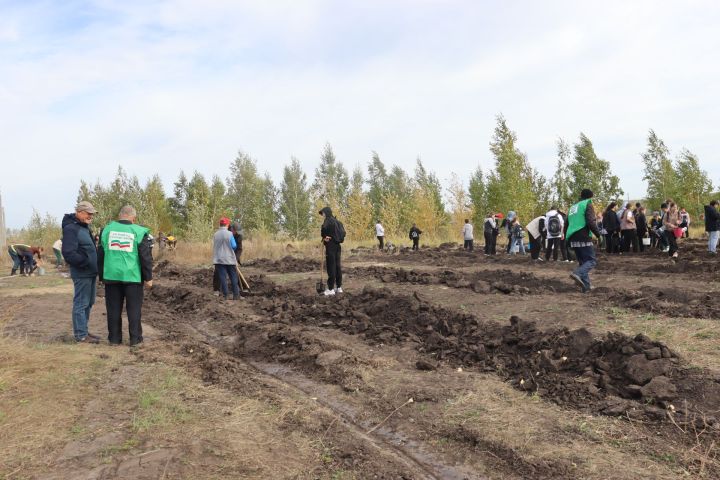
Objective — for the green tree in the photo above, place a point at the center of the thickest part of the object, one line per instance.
(217, 201)
(460, 203)
(511, 185)
(561, 194)
(430, 183)
(359, 220)
(251, 198)
(331, 182)
(694, 187)
(178, 203)
(295, 203)
(587, 170)
(377, 182)
(478, 196)
(659, 172)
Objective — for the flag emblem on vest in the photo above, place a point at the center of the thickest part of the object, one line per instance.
(122, 241)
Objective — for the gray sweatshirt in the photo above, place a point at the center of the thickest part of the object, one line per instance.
(223, 253)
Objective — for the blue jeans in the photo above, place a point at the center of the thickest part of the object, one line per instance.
(82, 304)
(15, 259)
(713, 241)
(586, 259)
(225, 271)
(517, 242)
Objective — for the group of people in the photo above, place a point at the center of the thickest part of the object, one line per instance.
(121, 259)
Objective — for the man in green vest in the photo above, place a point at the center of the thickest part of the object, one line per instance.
(582, 224)
(125, 266)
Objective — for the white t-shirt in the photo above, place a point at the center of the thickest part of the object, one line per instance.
(467, 231)
(379, 230)
(57, 245)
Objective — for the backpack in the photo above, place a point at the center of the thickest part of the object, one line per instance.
(553, 226)
(339, 231)
(517, 231)
(414, 234)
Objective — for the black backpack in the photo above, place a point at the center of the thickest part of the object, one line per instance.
(339, 231)
(553, 226)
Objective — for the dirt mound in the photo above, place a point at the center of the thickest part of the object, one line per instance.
(614, 375)
(502, 281)
(195, 276)
(287, 264)
(668, 301)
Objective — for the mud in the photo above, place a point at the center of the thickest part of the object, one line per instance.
(485, 281)
(287, 264)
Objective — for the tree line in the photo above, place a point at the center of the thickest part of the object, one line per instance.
(391, 194)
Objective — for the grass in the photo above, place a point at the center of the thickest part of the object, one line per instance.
(160, 405)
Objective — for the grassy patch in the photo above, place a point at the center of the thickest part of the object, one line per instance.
(160, 405)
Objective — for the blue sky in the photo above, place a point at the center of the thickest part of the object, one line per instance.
(160, 86)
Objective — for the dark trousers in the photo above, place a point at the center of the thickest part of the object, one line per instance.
(509, 244)
(490, 241)
(225, 271)
(612, 244)
(416, 243)
(535, 246)
(663, 239)
(672, 242)
(16, 261)
(553, 246)
(381, 242)
(640, 235)
(629, 240)
(468, 245)
(333, 264)
(130, 295)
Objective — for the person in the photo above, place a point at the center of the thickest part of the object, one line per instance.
(57, 250)
(490, 232)
(330, 234)
(15, 257)
(671, 224)
(536, 236)
(516, 236)
(507, 225)
(125, 268)
(564, 244)
(554, 226)
(662, 234)
(415, 233)
(224, 259)
(628, 230)
(237, 234)
(380, 234)
(642, 227)
(467, 233)
(582, 226)
(171, 242)
(611, 224)
(27, 257)
(685, 222)
(712, 226)
(79, 252)
(655, 225)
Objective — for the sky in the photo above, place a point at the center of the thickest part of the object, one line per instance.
(161, 86)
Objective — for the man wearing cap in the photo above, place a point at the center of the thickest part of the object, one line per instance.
(79, 251)
(224, 258)
(125, 266)
(582, 224)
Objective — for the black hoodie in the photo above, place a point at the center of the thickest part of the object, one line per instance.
(712, 219)
(328, 228)
(78, 248)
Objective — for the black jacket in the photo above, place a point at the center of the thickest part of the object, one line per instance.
(78, 248)
(144, 252)
(329, 226)
(641, 223)
(415, 230)
(611, 224)
(712, 219)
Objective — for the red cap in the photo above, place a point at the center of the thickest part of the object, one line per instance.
(499, 215)
(224, 221)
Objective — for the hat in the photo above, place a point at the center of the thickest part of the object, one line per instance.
(224, 221)
(85, 206)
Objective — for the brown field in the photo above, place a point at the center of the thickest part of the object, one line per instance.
(438, 364)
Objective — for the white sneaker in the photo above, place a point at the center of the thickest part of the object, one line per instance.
(329, 293)
(338, 290)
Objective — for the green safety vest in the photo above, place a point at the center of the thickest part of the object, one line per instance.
(576, 217)
(120, 243)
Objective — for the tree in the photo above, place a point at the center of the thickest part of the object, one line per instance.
(359, 221)
(217, 201)
(295, 204)
(587, 170)
(377, 182)
(154, 211)
(511, 185)
(478, 196)
(425, 213)
(694, 187)
(178, 203)
(42, 231)
(561, 194)
(658, 172)
(330, 187)
(460, 205)
(251, 198)
(430, 183)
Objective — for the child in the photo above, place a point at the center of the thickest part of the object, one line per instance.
(516, 238)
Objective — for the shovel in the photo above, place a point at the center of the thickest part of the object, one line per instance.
(320, 285)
